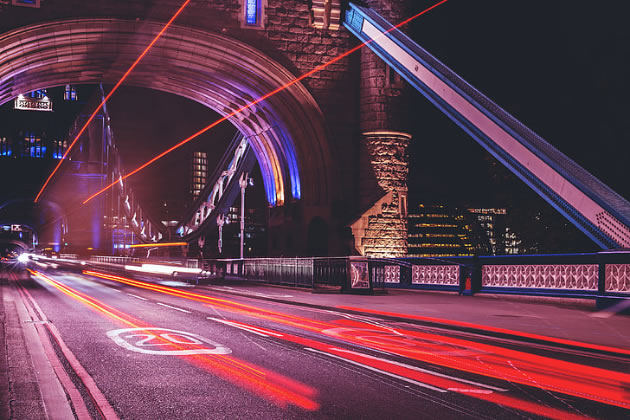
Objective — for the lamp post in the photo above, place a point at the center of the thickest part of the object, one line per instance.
(244, 181)
(221, 219)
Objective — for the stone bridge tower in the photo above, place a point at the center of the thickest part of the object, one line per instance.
(332, 148)
(381, 230)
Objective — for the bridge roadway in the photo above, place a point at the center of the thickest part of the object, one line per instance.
(169, 350)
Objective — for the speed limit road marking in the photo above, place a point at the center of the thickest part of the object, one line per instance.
(163, 341)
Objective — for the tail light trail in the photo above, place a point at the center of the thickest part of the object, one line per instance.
(596, 384)
(275, 387)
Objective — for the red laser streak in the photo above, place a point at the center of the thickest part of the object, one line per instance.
(262, 98)
(542, 372)
(122, 79)
(275, 387)
(493, 329)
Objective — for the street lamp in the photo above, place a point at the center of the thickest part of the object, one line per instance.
(244, 181)
(221, 220)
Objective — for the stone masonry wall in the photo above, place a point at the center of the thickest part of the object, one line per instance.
(385, 234)
(383, 149)
(294, 34)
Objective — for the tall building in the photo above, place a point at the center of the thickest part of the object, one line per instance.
(439, 231)
(503, 240)
(199, 173)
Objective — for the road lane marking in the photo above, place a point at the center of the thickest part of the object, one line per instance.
(262, 333)
(173, 307)
(249, 292)
(136, 296)
(159, 337)
(470, 391)
(382, 372)
(430, 372)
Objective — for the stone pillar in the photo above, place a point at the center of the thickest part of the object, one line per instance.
(381, 230)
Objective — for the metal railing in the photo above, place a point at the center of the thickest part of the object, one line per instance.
(311, 272)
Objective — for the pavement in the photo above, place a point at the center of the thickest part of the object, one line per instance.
(574, 320)
(20, 393)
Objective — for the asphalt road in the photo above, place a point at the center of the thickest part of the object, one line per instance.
(172, 351)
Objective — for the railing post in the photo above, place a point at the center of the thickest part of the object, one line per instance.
(601, 282)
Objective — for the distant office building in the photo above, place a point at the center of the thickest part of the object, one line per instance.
(439, 231)
(255, 243)
(171, 212)
(199, 173)
(502, 239)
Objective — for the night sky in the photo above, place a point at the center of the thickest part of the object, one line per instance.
(559, 67)
(147, 122)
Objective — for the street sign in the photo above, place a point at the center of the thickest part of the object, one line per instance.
(32, 104)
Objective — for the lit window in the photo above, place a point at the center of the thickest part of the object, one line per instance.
(252, 15)
(251, 12)
(70, 93)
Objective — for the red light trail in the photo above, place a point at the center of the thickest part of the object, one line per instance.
(262, 98)
(275, 387)
(122, 79)
(159, 244)
(583, 381)
(572, 343)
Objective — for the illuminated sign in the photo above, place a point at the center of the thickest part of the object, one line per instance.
(31, 104)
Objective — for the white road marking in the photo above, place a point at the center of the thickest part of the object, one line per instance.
(471, 391)
(254, 330)
(383, 372)
(168, 338)
(253, 342)
(249, 292)
(136, 296)
(430, 372)
(116, 290)
(173, 307)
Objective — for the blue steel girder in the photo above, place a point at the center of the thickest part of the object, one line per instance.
(597, 210)
(220, 191)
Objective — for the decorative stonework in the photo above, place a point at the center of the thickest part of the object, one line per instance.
(446, 275)
(392, 274)
(326, 14)
(618, 278)
(571, 277)
(382, 230)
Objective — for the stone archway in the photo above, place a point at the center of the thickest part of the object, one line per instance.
(286, 131)
(47, 219)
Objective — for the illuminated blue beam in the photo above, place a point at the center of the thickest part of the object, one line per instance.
(589, 204)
